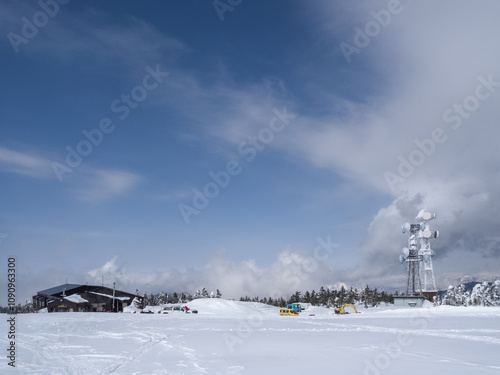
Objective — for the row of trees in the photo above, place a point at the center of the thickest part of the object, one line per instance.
(330, 297)
(482, 294)
(164, 298)
(324, 297)
(22, 309)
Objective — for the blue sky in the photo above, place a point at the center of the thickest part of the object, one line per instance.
(172, 91)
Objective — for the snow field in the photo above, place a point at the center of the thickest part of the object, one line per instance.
(229, 337)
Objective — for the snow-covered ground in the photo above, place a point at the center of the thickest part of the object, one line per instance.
(228, 337)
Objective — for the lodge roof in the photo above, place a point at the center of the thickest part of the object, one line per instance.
(59, 289)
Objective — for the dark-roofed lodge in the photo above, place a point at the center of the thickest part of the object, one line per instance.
(83, 298)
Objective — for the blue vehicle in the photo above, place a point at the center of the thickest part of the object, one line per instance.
(294, 306)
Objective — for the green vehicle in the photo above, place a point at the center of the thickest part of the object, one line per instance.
(294, 306)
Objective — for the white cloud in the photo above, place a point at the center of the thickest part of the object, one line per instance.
(24, 164)
(442, 61)
(96, 185)
(109, 268)
(291, 271)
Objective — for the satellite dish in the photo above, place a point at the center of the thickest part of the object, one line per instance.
(405, 252)
(426, 215)
(433, 253)
(405, 227)
(428, 234)
(401, 258)
(426, 257)
(436, 234)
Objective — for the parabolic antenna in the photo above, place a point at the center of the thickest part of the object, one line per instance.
(430, 234)
(405, 227)
(426, 257)
(405, 252)
(428, 216)
(427, 233)
(401, 258)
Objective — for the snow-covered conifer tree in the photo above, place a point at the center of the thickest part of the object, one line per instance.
(161, 298)
(495, 291)
(204, 293)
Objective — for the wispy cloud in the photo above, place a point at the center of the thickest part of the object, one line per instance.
(24, 163)
(90, 184)
(91, 35)
(97, 185)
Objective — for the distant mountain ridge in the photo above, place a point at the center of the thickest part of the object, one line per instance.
(471, 281)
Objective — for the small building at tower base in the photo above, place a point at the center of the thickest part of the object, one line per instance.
(409, 301)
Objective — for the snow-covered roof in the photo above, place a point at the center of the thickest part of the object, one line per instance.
(110, 296)
(76, 298)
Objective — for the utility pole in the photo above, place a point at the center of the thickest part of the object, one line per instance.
(114, 309)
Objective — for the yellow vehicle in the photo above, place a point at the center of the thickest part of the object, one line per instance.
(289, 312)
(341, 309)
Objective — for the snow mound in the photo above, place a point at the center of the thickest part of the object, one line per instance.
(215, 306)
(218, 306)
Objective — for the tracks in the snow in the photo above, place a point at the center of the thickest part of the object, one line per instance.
(137, 353)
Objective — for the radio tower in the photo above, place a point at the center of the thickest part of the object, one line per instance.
(425, 234)
(419, 260)
(410, 255)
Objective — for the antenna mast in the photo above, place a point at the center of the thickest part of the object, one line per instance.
(425, 251)
(419, 260)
